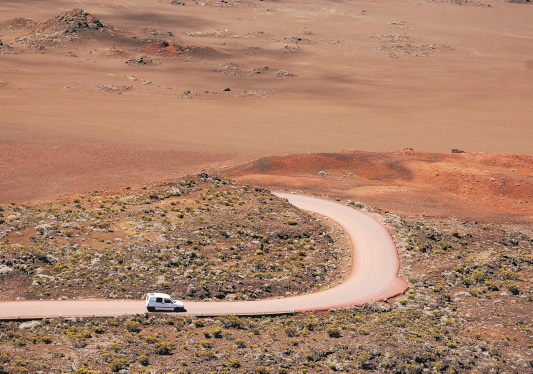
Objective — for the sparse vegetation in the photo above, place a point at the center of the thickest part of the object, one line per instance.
(202, 238)
(467, 307)
(461, 314)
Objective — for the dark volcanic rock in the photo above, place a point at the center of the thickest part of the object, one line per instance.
(70, 22)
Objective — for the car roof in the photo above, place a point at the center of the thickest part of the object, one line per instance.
(157, 294)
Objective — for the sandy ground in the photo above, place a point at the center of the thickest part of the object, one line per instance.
(364, 75)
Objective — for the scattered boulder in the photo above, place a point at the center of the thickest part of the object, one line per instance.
(4, 269)
(191, 290)
(139, 61)
(70, 22)
(377, 307)
(285, 73)
(29, 325)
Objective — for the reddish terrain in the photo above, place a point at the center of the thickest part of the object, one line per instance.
(100, 95)
(476, 186)
(134, 91)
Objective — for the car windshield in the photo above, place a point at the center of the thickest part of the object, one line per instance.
(173, 301)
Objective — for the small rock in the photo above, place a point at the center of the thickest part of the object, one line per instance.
(284, 73)
(379, 307)
(29, 325)
(139, 61)
(4, 269)
(322, 173)
(191, 290)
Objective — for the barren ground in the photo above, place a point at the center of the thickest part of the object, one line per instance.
(133, 93)
(377, 76)
(473, 186)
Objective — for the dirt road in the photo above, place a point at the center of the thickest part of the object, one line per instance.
(374, 276)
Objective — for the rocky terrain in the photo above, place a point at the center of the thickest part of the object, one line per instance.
(467, 308)
(77, 25)
(107, 106)
(201, 238)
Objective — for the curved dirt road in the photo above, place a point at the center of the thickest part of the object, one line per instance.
(374, 276)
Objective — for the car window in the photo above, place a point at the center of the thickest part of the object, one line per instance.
(168, 301)
(159, 300)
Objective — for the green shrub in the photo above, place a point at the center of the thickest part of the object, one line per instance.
(311, 322)
(198, 323)
(492, 285)
(234, 363)
(217, 332)
(240, 343)
(291, 331)
(118, 364)
(132, 326)
(86, 371)
(164, 347)
(46, 339)
(5, 357)
(143, 360)
(333, 332)
(206, 343)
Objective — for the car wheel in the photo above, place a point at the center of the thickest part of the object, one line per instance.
(151, 309)
(178, 309)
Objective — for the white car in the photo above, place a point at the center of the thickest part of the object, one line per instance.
(162, 301)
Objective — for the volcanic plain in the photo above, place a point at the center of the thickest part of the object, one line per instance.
(139, 140)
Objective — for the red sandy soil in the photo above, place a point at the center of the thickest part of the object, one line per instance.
(375, 76)
(486, 187)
